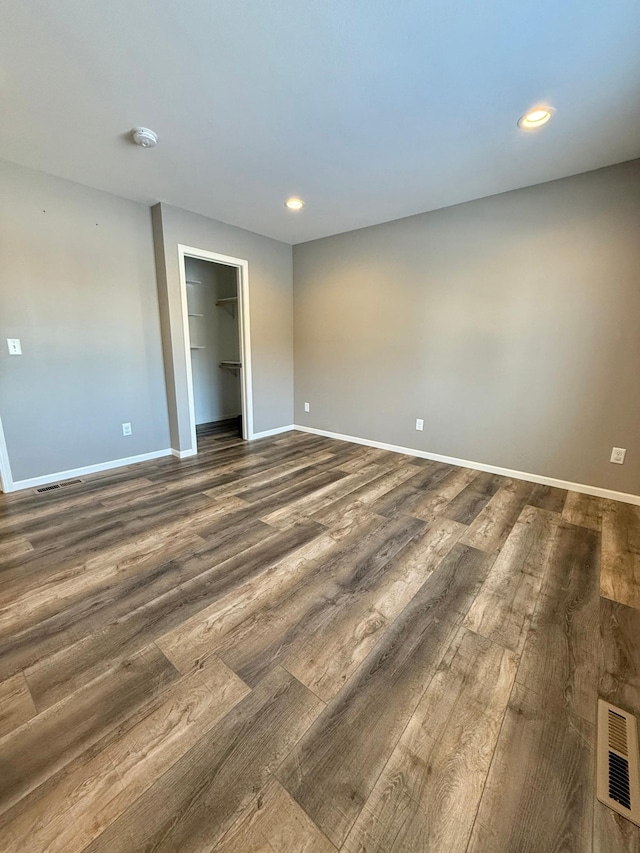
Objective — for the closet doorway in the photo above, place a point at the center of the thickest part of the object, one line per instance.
(215, 308)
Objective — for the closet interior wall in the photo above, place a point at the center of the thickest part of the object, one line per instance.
(214, 333)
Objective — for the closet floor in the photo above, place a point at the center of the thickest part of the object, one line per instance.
(298, 644)
(218, 431)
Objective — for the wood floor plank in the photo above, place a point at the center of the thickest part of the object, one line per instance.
(26, 509)
(619, 683)
(60, 578)
(473, 681)
(548, 497)
(16, 704)
(13, 546)
(619, 680)
(324, 497)
(472, 499)
(348, 453)
(190, 642)
(101, 784)
(539, 794)
(366, 494)
(265, 473)
(197, 469)
(197, 800)
(23, 576)
(492, 525)
(368, 456)
(583, 510)
(78, 530)
(560, 659)
(407, 496)
(433, 502)
(274, 822)
(333, 769)
(44, 744)
(264, 502)
(269, 635)
(59, 674)
(327, 655)
(294, 485)
(428, 793)
(71, 586)
(613, 833)
(574, 561)
(620, 562)
(122, 592)
(356, 516)
(503, 608)
(173, 489)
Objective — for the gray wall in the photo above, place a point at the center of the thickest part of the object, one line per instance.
(216, 391)
(510, 324)
(271, 304)
(78, 286)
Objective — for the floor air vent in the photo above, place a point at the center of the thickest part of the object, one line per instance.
(55, 486)
(618, 767)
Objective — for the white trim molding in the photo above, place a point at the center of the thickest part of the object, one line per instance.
(183, 454)
(267, 432)
(34, 482)
(596, 491)
(6, 478)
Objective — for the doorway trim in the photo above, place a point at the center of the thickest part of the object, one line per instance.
(6, 477)
(244, 331)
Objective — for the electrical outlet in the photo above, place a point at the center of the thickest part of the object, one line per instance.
(307, 407)
(126, 429)
(617, 455)
(419, 424)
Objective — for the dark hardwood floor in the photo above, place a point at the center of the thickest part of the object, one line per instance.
(301, 645)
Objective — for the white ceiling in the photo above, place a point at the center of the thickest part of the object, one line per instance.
(368, 109)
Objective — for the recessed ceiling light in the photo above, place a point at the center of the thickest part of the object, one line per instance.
(534, 118)
(294, 203)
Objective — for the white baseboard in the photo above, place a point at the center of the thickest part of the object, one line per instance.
(480, 466)
(34, 482)
(182, 454)
(267, 432)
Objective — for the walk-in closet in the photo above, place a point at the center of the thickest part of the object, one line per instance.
(212, 301)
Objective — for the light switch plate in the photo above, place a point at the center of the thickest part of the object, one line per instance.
(307, 407)
(14, 345)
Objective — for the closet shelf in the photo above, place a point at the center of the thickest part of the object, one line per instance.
(198, 347)
(195, 315)
(193, 281)
(231, 365)
(230, 303)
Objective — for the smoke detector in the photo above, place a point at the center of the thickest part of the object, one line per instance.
(144, 137)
